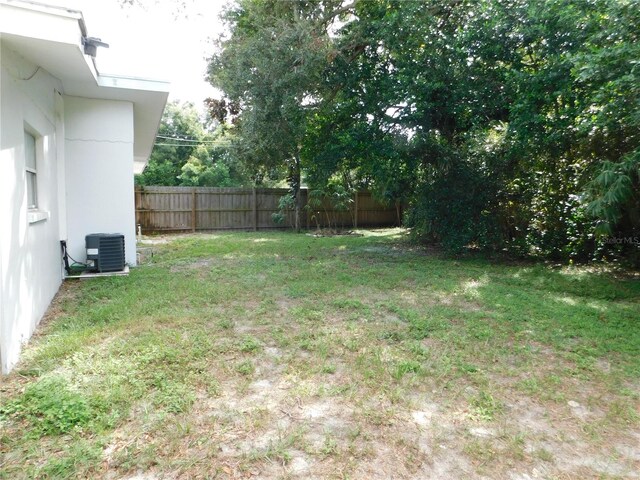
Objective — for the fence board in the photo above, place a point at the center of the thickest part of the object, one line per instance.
(171, 209)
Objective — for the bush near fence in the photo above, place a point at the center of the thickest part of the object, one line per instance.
(180, 209)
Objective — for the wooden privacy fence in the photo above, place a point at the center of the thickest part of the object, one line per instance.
(172, 209)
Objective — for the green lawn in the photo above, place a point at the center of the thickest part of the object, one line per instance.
(277, 355)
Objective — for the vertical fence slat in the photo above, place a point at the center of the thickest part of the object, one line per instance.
(255, 210)
(193, 210)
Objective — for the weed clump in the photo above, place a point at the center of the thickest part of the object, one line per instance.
(51, 407)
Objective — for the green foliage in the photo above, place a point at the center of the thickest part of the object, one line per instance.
(174, 397)
(405, 367)
(524, 110)
(70, 462)
(186, 154)
(485, 406)
(286, 204)
(462, 190)
(325, 204)
(614, 193)
(51, 407)
(271, 65)
(213, 168)
(179, 121)
(246, 368)
(250, 345)
(503, 124)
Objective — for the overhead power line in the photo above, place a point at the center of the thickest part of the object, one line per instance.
(179, 138)
(221, 144)
(188, 140)
(167, 141)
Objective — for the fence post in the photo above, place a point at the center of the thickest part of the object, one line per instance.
(255, 210)
(355, 214)
(137, 201)
(193, 209)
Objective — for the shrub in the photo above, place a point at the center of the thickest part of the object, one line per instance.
(286, 204)
(454, 208)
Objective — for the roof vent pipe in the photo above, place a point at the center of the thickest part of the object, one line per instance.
(91, 45)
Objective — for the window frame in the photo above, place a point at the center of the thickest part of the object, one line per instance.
(31, 177)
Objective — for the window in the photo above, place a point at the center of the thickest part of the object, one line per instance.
(30, 167)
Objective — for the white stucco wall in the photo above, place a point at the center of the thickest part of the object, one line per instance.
(99, 163)
(30, 267)
(85, 185)
(85, 157)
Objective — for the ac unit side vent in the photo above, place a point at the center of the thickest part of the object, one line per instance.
(110, 251)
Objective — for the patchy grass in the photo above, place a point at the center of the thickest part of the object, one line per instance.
(287, 356)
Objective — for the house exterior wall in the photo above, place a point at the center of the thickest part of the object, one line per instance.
(84, 185)
(86, 145)
(99, 164)
(30, 266)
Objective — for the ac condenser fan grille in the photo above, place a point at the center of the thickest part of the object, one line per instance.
(110, 251)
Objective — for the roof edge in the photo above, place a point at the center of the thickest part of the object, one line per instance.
(133, 83)
(51, 10)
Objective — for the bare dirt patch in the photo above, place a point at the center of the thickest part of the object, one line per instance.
(198, 265)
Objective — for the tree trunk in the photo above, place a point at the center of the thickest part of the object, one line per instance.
(399, 212)
(298, 211)
(294, 180)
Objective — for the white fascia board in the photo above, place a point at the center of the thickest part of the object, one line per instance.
(44, 8)
(50, 37)
(133, 83)
(138, 164)
(30, 19)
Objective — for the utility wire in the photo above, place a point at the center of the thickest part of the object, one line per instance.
(194, 143)
(194, 140)
(178, 138)
(216, 144)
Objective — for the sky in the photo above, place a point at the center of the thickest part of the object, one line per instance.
(160, 40)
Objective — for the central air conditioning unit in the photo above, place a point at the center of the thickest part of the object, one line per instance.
(105, 252)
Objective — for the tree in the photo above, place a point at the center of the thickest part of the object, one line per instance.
(179, 135)
(505, 124)
(533, 106)
(272, 67)
(187, 154)
(609, 70)
(213, 167)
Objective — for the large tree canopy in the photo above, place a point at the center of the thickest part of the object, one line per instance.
(504, 123)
